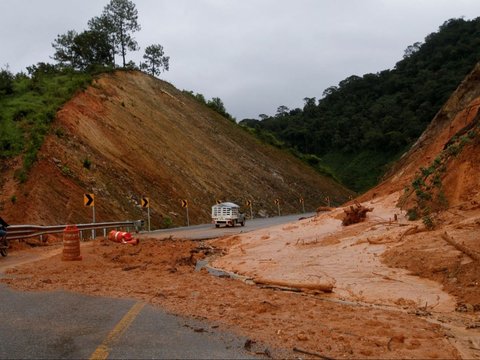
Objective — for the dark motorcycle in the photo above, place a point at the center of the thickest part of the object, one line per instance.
(3, 238)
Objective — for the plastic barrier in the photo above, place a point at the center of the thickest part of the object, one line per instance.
(71, 244)
(122, 237)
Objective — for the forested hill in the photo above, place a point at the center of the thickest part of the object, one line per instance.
(360, 126)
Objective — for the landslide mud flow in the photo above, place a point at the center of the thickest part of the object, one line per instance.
(163, 274)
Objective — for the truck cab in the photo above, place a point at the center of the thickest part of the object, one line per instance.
(227, 214)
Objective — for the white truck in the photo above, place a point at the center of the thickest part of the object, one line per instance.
(227, 214)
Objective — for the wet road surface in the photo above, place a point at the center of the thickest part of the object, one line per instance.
(38, 325)
(209, 231)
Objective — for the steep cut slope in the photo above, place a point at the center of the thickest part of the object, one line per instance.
(455, 120)
(131, 135)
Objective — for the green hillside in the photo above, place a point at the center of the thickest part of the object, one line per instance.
(360, 126)
(28, 105)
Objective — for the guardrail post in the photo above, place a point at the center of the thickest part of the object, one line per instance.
(93, 230)
(17, 232)
(104, 232)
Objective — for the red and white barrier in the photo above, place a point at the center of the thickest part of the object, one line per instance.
(122, 237)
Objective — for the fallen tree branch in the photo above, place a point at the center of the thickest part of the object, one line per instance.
(380, 242)
(410, 231)
(355, 214)
(388, 344)
(128, 268)
(473, 254)
(326, 286)
(473, 326)
(312, 353)
(386, 277)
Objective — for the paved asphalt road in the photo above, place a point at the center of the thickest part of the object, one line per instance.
(209, 231)
(62, 325)
(39, 325)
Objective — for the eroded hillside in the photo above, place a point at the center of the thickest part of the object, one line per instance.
(131, 135)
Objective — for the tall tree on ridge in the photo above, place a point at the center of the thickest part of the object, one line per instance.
(103, 26)
(155, 60)
(122, 16)
(64, 49)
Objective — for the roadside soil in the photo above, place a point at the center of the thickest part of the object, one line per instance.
(374, 311)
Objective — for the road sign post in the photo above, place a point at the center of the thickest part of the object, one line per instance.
(146, 204)
(277, 201)
(94, 232)
(89, 200)
(185, 205)
(302, 201)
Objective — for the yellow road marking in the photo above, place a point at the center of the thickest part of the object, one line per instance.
(103, 350)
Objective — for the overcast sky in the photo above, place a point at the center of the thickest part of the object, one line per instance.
(254, 54)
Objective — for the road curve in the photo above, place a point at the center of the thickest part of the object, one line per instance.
(209, 231)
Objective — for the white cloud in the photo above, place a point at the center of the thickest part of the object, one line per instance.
(254, 54)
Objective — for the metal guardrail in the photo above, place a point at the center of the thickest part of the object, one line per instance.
(16, 232)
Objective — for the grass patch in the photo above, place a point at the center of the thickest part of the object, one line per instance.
(26, 114)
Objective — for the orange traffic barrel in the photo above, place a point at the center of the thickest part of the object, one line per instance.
(71, 244)
(122, 237)
(116, 236)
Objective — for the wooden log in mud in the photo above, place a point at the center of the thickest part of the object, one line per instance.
(324, 286)
(312, 353)
(473, 254)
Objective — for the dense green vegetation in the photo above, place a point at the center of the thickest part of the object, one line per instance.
(108, 35)
(216, 104)
(28, 105)
(360, 126)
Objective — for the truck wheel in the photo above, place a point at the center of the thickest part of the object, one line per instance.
(243, 223)
(217, 225)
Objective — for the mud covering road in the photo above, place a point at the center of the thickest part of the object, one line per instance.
(292, 324)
